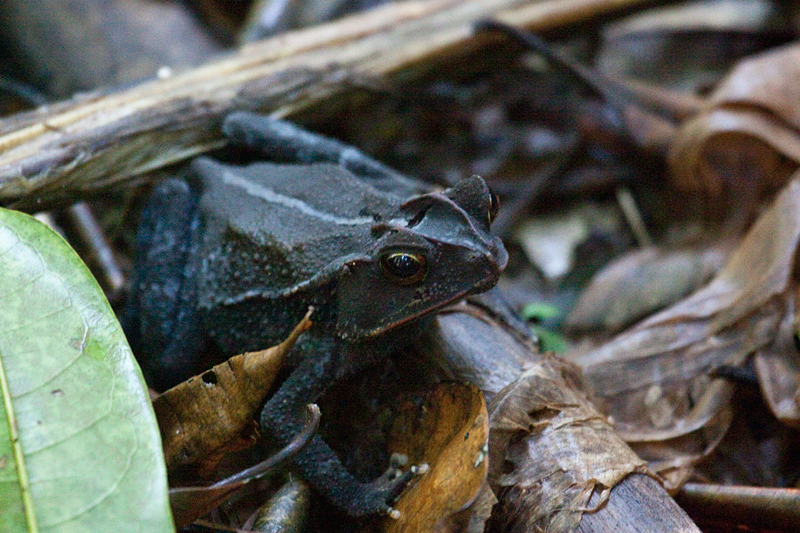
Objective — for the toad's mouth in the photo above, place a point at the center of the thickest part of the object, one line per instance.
(406, 314)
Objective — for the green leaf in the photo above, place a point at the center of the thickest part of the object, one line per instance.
(549, 341)
(79, 445)
(538, 312)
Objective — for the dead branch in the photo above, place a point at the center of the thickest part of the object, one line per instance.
(81, 146)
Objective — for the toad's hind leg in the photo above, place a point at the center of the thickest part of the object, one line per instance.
(160, 318)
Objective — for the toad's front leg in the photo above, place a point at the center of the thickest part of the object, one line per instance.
(284, 416)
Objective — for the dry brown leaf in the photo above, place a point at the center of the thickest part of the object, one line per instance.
(653, 379)
(641, 283)
(190, 503)
(472, 519)
(204, 413)
(746, 141)
(551, 451)
(778, 368)
(449, 432)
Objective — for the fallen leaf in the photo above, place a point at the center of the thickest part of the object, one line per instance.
(745, 143)
(641, 283)
(204, 413)
(550, 243)
(778, 368)
(655, 379)
(448, 431)
(190, 503)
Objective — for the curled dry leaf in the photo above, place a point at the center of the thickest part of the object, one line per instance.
(551, 451)
(746, 141)
(778, 368)
(448, 431)
(641, 283)
(190, 503)
(204, 413)
(655, 378)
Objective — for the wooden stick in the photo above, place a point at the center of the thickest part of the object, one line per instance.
(80, 146)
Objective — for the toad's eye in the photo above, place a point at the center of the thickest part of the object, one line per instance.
(494, 206)
(404, 268)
